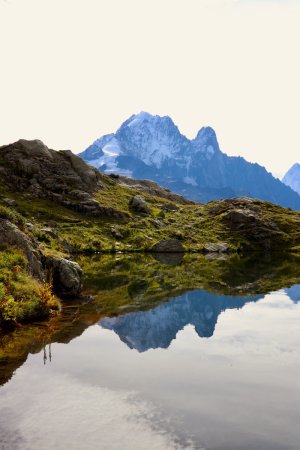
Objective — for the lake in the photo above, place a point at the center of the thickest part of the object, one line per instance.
(166, 353)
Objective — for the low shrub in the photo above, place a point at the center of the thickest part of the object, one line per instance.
(22, 298)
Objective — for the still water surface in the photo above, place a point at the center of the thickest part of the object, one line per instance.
(201, 370)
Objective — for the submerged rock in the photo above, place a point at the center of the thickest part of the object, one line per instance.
(169, 259)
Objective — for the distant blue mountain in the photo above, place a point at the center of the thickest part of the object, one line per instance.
(152, 147)
(292, 178)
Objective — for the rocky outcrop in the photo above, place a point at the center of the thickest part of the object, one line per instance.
(59, 176)
(64, 275)
(168, 246)
(250, 219)
(138, 204)
(11, 235)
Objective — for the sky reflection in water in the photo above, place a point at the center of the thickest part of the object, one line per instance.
(199, 371)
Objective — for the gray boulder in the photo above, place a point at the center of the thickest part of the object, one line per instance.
(220, 247)
(66, 276)
(138, 204)
(168, 246)
(170, 207)
(241, 216)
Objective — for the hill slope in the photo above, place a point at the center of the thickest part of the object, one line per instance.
(91, 211)
(147, 146)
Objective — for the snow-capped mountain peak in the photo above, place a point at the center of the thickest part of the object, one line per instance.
(151, 139)
(151, 147)
(206, 142)
(138, 119)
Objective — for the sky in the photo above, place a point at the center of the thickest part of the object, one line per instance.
(73, 70)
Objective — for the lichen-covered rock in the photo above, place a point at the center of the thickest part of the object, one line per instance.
(168, 246)
(138, 204)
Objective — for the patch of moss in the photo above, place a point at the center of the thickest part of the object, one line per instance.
(12, 215)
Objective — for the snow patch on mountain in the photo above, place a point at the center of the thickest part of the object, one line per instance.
(138, 119)
(190, 180)
(108, 161)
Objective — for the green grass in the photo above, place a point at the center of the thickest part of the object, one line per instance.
(76, 233)
(193, 225)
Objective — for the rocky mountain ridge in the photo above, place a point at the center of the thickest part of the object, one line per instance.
(151, 147)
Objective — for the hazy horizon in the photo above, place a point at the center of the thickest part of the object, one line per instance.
(74, 71)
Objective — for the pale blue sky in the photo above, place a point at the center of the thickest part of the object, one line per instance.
(72, 70)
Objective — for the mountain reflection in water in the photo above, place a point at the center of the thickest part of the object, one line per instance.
(157, 327)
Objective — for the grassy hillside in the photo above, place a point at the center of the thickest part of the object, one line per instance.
(58, 206)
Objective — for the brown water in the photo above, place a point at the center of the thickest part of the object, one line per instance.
(159, 361)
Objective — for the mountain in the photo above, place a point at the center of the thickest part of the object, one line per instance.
(292, 178)
(152, 147)
(158, 327)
